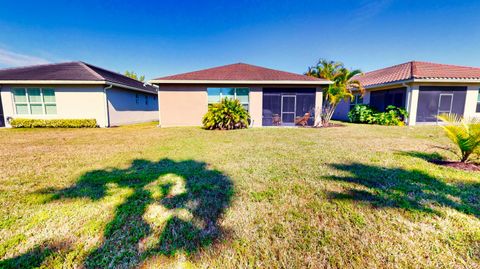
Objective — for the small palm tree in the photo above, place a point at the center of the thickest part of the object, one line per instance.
(343, 82)
(465, 133)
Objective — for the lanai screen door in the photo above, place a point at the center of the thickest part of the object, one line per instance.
(435, 100)
(281, 106)
(288, 109)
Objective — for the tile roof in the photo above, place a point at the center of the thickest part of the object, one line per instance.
(241, 72)
(71, 71)
(418, 70)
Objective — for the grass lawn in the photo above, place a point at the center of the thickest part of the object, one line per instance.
(357, 196)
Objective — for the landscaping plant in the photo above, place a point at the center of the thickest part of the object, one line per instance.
(343, 82)
(366, 114)
(463, 132)
(55, 123)
(229, 114)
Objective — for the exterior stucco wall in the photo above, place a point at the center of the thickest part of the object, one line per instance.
(124, 109)
(255, 100)
(471, 101)
(341, 112)
(182, 105)
(185, 105)
(73, 102)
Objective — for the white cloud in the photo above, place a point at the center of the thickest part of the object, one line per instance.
(368, 10)
(10, 58)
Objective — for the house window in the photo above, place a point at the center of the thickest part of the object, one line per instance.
(217, 94)
(34, 101)
(137, 98)
(357, 100)
(478, 102)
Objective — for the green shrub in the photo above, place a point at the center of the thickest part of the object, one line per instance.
(366, 114)
(227, 115)
(57, 123)
(361, 114)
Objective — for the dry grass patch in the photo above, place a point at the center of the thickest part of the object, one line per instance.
(141, 196)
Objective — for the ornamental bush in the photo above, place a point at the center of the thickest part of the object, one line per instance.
(56, 123)
(366, 114)
(361, 114)
(227, 115)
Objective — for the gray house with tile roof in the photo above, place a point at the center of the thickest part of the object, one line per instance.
(75, 90)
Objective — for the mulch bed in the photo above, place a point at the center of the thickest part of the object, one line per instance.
(459, 165)
(332, 125)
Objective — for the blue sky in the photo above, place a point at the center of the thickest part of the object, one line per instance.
(159, 38)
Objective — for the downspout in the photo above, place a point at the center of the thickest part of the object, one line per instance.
(409, 101)
(107, 118)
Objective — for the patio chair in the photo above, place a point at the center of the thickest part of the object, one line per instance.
(302, 121)
(276, 120)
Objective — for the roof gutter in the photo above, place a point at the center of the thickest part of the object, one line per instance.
(424, 80)
(72, 82)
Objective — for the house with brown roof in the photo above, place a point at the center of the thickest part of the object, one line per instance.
(272, 97)
(424, 89)
(75, 90)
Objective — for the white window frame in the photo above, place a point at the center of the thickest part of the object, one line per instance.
(478, 102)
(234, 95)
(355, 102)
(28, 103)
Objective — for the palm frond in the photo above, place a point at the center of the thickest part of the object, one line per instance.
(463, 132)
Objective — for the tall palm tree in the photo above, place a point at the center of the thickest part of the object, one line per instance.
(343, 83)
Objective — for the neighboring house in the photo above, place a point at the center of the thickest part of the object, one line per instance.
(424, 89)
(75, 90)
(272, 97)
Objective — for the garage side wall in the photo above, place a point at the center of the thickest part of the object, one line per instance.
(72, 102)
(128, 107)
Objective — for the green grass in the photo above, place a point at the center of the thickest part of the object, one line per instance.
(140, 196)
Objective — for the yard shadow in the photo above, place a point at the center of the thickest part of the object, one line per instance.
(412, 190)
(190, 197)
(34, 257)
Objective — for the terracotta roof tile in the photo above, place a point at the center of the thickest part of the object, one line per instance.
(418, 70)
(240, 71)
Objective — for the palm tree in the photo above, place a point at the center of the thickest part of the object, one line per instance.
(343, 82)
(465, 133)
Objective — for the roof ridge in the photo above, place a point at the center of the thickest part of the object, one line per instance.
(226, 66)
(387, 67)
(413, 69)
(456, 65)
(113, 72)
(90, 70)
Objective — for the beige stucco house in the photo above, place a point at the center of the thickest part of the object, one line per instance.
(75, 90)
(424, 89)
(272, 97)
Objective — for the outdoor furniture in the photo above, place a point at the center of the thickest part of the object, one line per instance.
(302, 121)
(276, 120)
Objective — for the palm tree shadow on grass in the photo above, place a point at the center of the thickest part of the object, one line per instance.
(412, 190)
(33, 258)
(206, 195)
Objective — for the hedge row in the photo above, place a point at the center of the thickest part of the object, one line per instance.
(60, 123)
